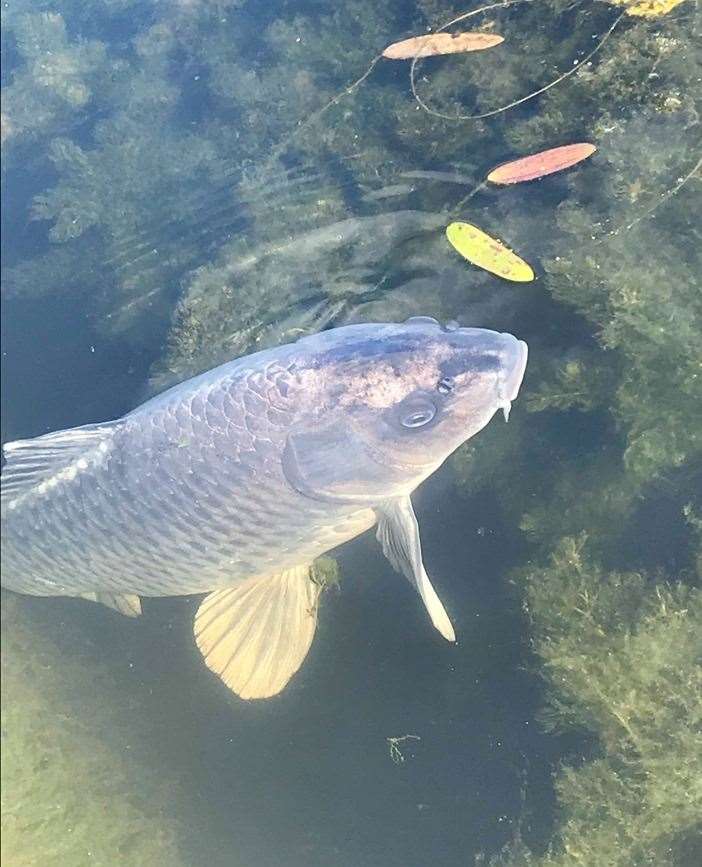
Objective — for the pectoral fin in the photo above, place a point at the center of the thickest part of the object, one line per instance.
(256, 635)
(398, 533)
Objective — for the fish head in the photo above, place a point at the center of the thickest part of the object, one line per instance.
(435, 387)
(395, 400)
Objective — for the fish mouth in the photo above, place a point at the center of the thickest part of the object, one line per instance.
(510, 380)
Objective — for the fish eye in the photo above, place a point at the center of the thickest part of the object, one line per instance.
(418, 417)
(445, 385)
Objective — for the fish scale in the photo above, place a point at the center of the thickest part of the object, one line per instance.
(168, 498)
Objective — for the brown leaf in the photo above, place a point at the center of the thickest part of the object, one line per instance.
(440, 43)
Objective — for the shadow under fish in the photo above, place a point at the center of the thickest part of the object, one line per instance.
(236, 480)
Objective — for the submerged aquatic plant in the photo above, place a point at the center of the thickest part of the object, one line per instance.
(57, 77)
(79, 785)
(621, 654)
(482, 115)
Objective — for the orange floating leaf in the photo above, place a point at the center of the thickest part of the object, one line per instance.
(544, 163)
(440, 43)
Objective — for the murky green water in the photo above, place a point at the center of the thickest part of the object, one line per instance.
(174, 196)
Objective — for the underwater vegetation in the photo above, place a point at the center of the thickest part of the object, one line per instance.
(621, 654)
(57, 76)
(213, 176)
(76, 783)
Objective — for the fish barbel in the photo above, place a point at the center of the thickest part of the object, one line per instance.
(233, 482)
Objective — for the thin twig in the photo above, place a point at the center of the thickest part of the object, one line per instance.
(494, 111)
(664, 198)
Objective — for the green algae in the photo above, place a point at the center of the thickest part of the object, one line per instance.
(77, 784)
(57, 79)
(325, 573)
(621, 654)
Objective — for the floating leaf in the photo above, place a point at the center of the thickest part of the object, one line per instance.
(543, 163)
(440, 43)
(647, 8)
(487, 253)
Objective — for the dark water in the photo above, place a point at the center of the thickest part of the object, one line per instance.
(164, 210)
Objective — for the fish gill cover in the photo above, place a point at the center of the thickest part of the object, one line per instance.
(184, 184)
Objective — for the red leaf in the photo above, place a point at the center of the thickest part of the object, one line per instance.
(543, 163)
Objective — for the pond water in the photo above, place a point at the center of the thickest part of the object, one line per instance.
(188, 181)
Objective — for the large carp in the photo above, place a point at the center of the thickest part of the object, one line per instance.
(236, 480)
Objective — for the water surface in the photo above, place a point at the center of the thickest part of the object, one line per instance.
(172, 199)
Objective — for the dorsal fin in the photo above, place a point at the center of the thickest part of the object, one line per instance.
(35, 465)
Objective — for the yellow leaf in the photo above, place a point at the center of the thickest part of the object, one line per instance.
(487, 253)
(647, 8)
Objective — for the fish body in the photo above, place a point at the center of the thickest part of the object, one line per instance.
(233, 482)
(183, 495)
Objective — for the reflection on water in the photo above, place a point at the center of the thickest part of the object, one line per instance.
(165, 209)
